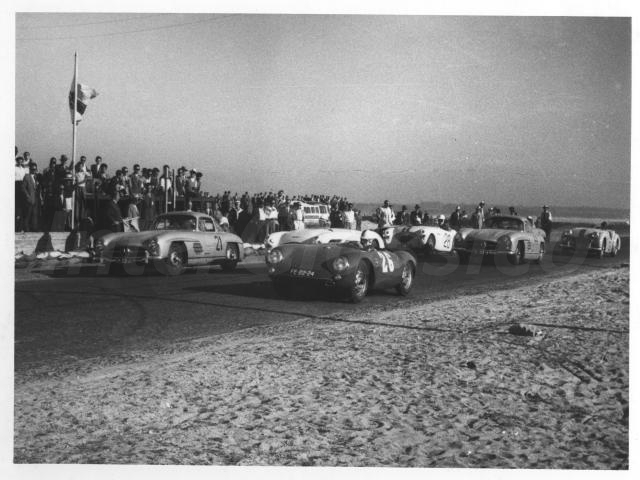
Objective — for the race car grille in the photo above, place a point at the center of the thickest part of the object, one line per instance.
(127, 252)
(469, 244)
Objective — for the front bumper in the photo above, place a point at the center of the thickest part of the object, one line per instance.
(486, 252)
(126, 255)
(310, 278)
(572, 245)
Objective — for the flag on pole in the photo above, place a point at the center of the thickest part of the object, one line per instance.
(85, 93)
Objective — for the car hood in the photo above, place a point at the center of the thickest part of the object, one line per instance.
(585, 231)
(308, 256)
(489, 234)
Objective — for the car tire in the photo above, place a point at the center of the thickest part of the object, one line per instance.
(616, 248)
(518, 257)
(406, 283)
(176, 261)
(541, 255)
(430, 247)
(116, 270)
(232, 257)
(360, 285)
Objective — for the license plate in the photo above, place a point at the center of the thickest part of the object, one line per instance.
(298, 272)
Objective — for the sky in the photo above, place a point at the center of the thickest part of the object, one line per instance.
(513, 110)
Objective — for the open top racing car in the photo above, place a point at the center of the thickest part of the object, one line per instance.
(351, 266)
(596, 240)
(177, 240)
(312, 235)
(421, 239)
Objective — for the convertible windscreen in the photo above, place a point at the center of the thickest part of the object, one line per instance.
(504, 224)
(175, 222)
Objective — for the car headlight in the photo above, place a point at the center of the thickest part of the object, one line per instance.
(152, 247)
(99, 244)
(340, 264)
(457, 238)
(504, 243)
(275, 256)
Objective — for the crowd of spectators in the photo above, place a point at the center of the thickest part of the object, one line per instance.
(44, 201)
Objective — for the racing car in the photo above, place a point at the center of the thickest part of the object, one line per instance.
(176, 241)
(338, 262)
(510, 236)
(596, 240)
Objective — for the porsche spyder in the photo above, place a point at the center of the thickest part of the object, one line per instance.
(311, 235)
(341, 264)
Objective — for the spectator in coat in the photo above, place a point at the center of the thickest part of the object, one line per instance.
(455, 219)
(477, 218)
(386, 217)
(31, 195)
(112, 215)
(546, 221)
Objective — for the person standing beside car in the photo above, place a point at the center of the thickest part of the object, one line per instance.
(415, 217)
(546, 221)
(386, 216)
(477, 218)
(112, 214)
(455, 220)
(349, 217)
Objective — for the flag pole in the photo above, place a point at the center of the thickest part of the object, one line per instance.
(73, 147)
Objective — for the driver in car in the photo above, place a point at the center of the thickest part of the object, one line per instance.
(367, 240)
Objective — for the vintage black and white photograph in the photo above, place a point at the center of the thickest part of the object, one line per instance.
(321, 238)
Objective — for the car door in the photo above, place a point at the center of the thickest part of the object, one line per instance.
(211, 238)
(387, 266)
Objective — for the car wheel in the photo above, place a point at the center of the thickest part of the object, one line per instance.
(116, 269)
(518, 257)
(406, 282)
(616, 248)
(176, 260)
(232, 257)
(282, 288)
(360, 285)
(430, 247)
(541, 254)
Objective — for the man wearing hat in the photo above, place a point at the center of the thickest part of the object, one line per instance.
(546, 221)
(455, 219)
(415, 218)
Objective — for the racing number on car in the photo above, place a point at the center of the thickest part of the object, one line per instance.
(447, 243)
(219, 244)
(387, 262)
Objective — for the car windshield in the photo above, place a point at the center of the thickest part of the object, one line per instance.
(501, 223)
(175, 222)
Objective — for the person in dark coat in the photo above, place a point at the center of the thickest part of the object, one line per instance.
(112, 215)
(31, 195)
